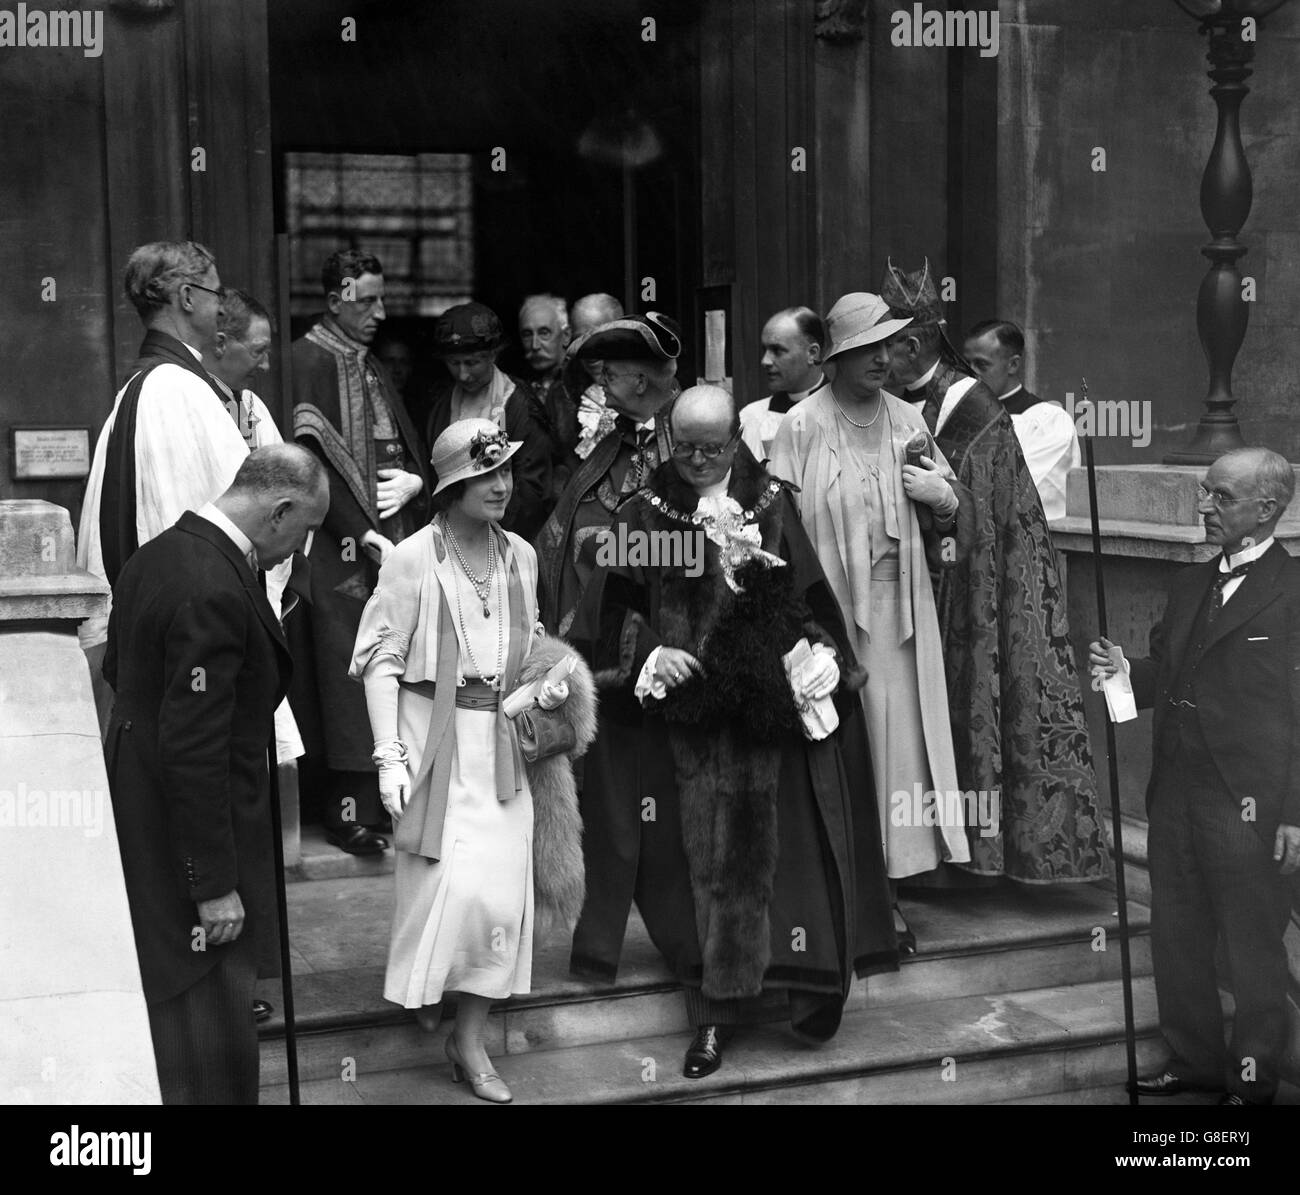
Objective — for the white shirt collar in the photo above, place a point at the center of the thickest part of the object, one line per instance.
(800, 395)
(1245, 556)
(1016, 389)
(237, 537)
(198, 356)
(924, 379)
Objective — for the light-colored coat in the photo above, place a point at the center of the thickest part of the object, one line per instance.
(807, 451)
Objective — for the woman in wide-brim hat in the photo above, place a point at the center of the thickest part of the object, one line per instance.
(871, 517)
(449, 631)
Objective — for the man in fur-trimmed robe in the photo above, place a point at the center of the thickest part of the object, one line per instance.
(759, 874)
(1015, 704)
(348, 413)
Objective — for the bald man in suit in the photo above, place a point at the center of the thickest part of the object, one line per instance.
(1223, 677)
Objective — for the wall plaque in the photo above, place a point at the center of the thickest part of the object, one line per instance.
(45, 452)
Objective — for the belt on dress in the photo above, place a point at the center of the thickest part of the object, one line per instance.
(885, 569)
(474, 694)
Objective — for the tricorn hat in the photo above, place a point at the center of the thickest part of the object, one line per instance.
(467, 328)
(649, 337)
(859, 319)
(468, 448)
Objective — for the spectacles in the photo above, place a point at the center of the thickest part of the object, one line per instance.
(220, 292)
(608, 375)
(1219, 498)
(710, 452)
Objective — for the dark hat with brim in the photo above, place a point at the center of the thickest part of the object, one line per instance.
(467, 328)
(649, 337)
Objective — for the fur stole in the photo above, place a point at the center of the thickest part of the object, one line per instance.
(559, 882)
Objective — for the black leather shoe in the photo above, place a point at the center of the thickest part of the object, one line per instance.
(262, 1011)
(704, 1054)
(357, 840)
(1168, 1083)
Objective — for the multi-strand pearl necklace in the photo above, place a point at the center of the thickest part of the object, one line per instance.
(482, 590)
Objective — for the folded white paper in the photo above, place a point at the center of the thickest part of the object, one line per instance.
(819, 717)
(1118, 689)
(525, 697)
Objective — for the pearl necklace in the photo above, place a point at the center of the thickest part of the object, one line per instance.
(493, 681)
(880, 406)
(482, 585)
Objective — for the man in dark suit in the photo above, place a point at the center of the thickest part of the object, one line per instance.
(198, 662)
(1224, 797)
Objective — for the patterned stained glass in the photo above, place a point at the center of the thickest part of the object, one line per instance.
(413, 212)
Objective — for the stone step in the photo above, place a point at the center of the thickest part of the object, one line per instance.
(969, 1049)
(319, 860)
(973, 944)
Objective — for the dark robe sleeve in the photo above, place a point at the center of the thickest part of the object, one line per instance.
(613, 623)
(530, 503)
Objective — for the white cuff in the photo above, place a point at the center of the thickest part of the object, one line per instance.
(646, 684)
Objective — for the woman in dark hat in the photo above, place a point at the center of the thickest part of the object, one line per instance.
(468, 338)
(449, 632)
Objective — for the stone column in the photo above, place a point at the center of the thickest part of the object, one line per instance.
(72, 1009)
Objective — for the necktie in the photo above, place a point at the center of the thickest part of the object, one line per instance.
(1220, 580)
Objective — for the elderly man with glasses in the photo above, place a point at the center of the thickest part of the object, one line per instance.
(756, 862)
(1223, 679)
(168, 445)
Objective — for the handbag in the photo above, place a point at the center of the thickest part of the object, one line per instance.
(543, 733)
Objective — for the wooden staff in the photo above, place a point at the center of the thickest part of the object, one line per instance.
(1126, 966)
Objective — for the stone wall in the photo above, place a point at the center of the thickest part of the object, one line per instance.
(1103, 268)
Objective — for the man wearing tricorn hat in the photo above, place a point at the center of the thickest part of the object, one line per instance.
(639, 355)
(880, 504)
(1018, 724)
(468, 338)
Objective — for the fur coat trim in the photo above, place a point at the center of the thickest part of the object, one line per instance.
(559, 883)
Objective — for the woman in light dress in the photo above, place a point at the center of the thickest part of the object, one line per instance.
(442, 639)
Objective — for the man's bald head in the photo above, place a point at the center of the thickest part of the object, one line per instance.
(704, 420)
(593, 310)
(279, 496)
(708, 407)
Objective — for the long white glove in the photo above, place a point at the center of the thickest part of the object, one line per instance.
(394, 776)
(553, 694)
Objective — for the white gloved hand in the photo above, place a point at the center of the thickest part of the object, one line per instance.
(394, 786)
(821, 676)
(553, 695)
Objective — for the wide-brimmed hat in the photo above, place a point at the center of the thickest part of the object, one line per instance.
(468, 448)
(467, 328)
(859, 319)
(649, 337)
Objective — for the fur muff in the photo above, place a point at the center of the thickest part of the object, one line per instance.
(559, 881)
(743, 681)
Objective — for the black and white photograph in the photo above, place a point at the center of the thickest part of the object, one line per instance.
(629, 552)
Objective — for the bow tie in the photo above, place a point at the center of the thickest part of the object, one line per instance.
(1221, 580)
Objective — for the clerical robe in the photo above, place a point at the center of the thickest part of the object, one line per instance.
(340, 394)
(1016, 708)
